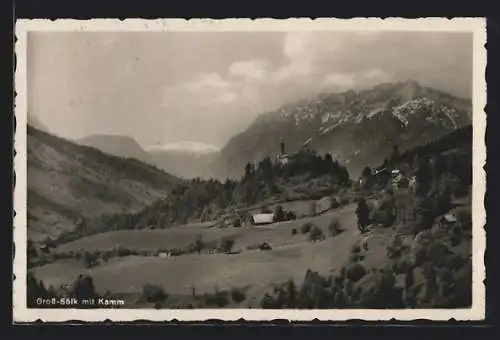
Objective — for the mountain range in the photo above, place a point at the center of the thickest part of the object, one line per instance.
(68, 183)
(358, 128)
(121, 146)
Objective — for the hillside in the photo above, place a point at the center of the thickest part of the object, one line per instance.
(121, 146)
(357, 128)
(401, 260)
(68, 183)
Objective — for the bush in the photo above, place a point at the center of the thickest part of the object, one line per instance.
(455, 236)
(316, 234)
(294, 231)
(267, 302)
(153, 293)
(464, 220)
(264, 246)
(237, 295)
(306, 228)
(334, 227)
(226, 245)
(355, 272)
(355, 248)
(290, 216)
(83, 288)
(279, 214)
(218, 299)
(403, 265)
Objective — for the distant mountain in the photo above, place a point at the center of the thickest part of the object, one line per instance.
(121, 146)
(185, 159)
(68, 183)
(357, 128)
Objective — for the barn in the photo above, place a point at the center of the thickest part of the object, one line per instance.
(261, 219)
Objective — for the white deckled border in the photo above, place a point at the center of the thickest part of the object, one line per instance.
(474, 25)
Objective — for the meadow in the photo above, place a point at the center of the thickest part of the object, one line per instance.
(290, 257)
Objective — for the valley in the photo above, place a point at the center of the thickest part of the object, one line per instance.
(338, 231)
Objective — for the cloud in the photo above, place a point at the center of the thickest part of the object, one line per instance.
(344, 80)
(186, 146)
(250, 69)
(296, 47)
(207, 81)
(204, 88)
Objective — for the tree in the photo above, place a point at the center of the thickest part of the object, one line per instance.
(334, 227)
(153, 293)
(199, 244)
(306, 228)
(367, 172)
(227, 245)
(84, 288)
(88, 259)
(316, 234)
(409, 279)
(290, 294)
(363, 213)
(290, 215)
(279, 214)
(267, 302)
(237, 223)
(424, 178)
(396, 155)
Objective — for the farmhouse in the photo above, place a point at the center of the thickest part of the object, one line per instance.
(323, 205)
(261, 219)
(448, 220)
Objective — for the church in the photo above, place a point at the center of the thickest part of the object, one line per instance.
(303, 154)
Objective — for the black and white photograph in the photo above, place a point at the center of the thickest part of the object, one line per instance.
(269, 169)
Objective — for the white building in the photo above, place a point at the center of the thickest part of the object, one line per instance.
(259, 219)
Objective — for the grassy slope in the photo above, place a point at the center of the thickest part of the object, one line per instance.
(66, 181)
(290, 258)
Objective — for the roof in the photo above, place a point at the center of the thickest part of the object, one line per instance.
(450, 218)
(263, 218)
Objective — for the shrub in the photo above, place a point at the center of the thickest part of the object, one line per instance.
(334, 227)
(455, 236)
(420, 255)
(290, 216)
(226, 245)
(153, 293)
(436, 251)
(237, 295)
(316, 234)
(267, 302)
(219, 299)
(355, 248)
(402, 265)
(306, 228)
(355, 272)
(345, 201)
(464, 220)
(279, 214)
(83, 288)
(294, 231)
(264, 246)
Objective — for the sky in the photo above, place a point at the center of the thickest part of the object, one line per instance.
(168, 88)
